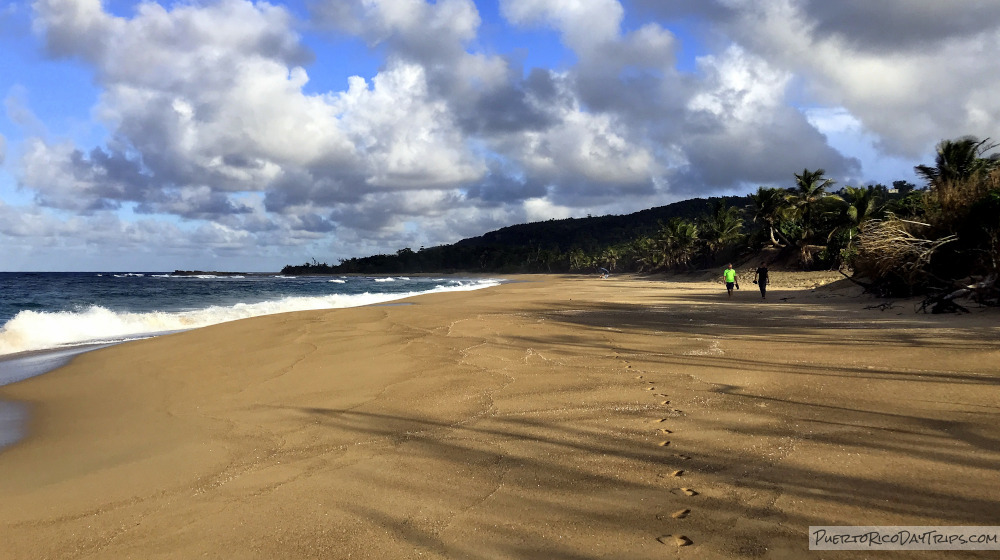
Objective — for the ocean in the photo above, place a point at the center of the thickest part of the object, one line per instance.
(47, 317)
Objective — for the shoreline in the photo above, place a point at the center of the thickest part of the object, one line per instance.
(160, 306)
(14, 415)
(568, 416)
(23, 365)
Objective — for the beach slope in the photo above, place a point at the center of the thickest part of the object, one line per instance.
(555, 417)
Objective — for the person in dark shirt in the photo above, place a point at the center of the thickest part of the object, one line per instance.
(760, 278)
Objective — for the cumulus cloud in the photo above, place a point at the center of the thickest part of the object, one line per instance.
(410, 139)
(901, 25)
(741, 128)
(913, 73)
(416, 28)
(214, 123)
(18, 112)
(537, 209)
(210, 98)
(911, 95)
(653, 127)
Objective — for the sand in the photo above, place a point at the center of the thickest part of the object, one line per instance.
(555, 417)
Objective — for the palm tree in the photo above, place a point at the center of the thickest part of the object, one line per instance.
(678, 242)
(648, 253)
(810, 188)
(609, 256)
(769, 206)
(959, 178)
(805, 199)
(578, 260)
(721, 227)
(957, 160)
(861, 205)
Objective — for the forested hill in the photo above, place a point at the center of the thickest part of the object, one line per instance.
(535, 247)
(596, 232)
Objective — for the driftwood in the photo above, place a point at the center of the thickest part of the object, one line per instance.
(884, 306)
(866, 285)
(882, 289)
(984, 292)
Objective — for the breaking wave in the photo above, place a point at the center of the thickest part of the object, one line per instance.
(39, 330)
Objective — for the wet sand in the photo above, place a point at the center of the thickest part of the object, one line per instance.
(16, 367)
(551, 418)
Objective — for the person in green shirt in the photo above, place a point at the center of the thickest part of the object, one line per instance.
(730, 276)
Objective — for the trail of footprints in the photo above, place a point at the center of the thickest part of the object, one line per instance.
(674, 539)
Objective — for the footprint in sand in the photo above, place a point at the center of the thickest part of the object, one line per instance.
(682, 457)
(678, 472)
(662, 395)
(677, 540)
(680, 514)
(665, 402)
(665, 431)
(689, 492)
(660, 420)
(664, 443)
(638, 377)
(650, 388)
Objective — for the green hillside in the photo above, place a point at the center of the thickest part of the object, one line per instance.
(533, 247)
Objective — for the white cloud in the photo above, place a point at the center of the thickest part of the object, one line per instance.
(217, 136)
(593, 29)
(19, 113)
(409, 139)
(74, 27)
(425, 29)
(848, 134)
(740, 87)
(51, 171)
(741, 128)
(540, 209)
(593, 147)
(583, 23)
(210, 101)
(910, 93)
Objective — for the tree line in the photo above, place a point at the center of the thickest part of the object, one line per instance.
(901, 239)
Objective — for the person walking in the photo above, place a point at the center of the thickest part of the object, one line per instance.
(730, 276)
(760, 278)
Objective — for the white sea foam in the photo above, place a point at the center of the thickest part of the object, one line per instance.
(33, 330)
(337, 281)
(385, 279)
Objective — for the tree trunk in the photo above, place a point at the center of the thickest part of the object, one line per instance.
(774, 240)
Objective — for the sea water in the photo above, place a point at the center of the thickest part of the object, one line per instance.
(47, 317)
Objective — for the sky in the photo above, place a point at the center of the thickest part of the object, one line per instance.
(233, 135)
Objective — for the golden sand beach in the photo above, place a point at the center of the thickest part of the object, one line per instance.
(553, 417)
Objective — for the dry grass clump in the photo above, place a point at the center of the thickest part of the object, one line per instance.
(893, 256)
(949, 202)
